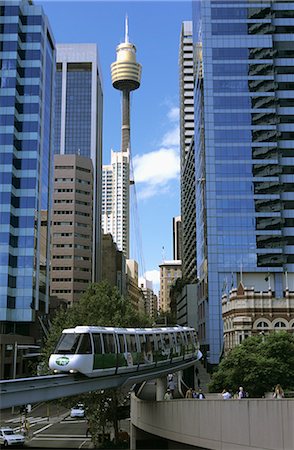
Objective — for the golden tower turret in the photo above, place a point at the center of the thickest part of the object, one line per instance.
(126, 76)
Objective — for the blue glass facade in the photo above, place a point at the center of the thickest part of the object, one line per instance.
(26, 95)
(244, 132)
(78, 109)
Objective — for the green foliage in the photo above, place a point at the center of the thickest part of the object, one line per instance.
(100, 305)
(257, 364)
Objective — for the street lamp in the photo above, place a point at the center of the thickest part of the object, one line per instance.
(21, 347)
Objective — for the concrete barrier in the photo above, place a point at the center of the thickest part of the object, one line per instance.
(260, 424)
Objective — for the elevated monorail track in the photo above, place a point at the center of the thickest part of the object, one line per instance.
(49, 387)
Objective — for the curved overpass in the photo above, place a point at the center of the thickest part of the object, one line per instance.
(49, 387)
(260, 424)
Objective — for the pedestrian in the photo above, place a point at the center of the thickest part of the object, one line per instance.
(278, 393)
(189, 393)
(168, 395)
(196, 371)
(241, 393)
(171, 384)
(226, 395)
(88, 429)
(198, 382)
(201, 396)
(195, 394)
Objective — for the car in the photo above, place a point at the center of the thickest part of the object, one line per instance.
(9, 437)
(78, 410)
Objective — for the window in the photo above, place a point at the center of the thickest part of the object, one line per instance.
(121, 341)
(68, 343)
(85, 346)
(97, 343)
(262, 325)
(108, 341)
(131, 343)
(280, 325)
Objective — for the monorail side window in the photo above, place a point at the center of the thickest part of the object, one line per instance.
(108, 341)
(166, 340)
(67, 343)
(85, 346)
(131, 343)
(159, 342)
(179, 338)
(97, 343)
(121, 343)
(150, 343)
(142, 342)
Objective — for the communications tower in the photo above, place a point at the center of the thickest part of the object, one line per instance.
(126, 76)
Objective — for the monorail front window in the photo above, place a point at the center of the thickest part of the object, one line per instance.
(85, 346)
(67, 343)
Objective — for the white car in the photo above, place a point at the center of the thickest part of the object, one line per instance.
(9, 437)
(78, 411)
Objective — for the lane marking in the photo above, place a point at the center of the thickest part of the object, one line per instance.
(40, 438)
(44, 428)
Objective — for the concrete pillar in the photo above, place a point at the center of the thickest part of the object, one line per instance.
(133, 437)
(160, 388)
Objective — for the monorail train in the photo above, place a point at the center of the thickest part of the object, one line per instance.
(94, 351)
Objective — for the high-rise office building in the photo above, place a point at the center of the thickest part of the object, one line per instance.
(72, 227)
(27, 65)
(244, 135)
(177, 237)
(78, 120)
(115, 201)
(169, 272)
(188, 204)
(126, 77)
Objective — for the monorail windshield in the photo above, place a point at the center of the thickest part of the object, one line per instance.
(71, 343)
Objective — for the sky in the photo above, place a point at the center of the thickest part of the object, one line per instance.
(154, 28)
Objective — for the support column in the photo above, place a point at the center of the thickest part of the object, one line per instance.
(160, 388)
(133, 437)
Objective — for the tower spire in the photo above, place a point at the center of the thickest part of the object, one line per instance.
(126, 29)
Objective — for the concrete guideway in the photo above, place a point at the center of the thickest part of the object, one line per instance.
(21, 391)
(259, 424)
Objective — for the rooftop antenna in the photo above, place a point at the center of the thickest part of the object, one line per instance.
(163, 254)
(126, 29)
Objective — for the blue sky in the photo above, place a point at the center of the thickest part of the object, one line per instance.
(154, 27)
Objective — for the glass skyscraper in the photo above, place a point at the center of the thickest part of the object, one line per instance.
(78, 120)
(244, 131)
(27, 66)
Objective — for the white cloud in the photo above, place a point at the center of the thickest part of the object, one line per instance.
(154, 171)
(174, 113)
(158, 167)
(172, 137)
(151, 278)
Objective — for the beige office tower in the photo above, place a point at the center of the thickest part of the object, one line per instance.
(150, 299)
(115, 200)
(169, 272)
(72, 227)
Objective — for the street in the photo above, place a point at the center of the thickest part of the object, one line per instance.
(58, 430)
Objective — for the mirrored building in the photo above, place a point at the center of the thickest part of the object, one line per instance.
(27, 63)
(244, 131)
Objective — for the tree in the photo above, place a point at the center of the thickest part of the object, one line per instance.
(100, 305)
(257, 364)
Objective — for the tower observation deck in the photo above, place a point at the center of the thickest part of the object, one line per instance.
(126, 77)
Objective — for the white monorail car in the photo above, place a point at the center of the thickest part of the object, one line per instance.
(95, 351)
